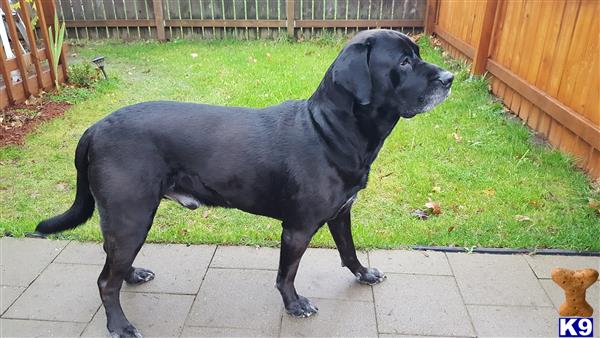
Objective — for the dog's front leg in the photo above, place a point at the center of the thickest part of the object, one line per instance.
(294, 242)
(341, 230)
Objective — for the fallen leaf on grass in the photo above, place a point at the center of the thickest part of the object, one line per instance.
(522, 218)
(450, 229)
(457, 137)
(434, 207)
(489, 191)
(534, 203)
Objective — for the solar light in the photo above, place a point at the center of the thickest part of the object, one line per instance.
(99, 62)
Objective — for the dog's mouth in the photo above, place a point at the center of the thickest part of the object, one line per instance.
(438, 97)
(427, 102)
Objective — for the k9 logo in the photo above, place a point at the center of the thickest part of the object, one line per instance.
(575, 327)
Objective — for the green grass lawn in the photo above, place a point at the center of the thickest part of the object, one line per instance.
(495, 187)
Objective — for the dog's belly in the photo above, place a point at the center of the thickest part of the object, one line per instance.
(186, 200)
(191, 191)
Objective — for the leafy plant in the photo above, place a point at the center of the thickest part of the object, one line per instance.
(56, 44)
(82, 75)
(34, 17)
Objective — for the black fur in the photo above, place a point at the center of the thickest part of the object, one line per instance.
(301, 162)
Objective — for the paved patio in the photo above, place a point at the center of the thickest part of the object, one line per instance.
(48, 288)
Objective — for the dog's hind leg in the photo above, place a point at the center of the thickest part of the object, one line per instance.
(125, 227)
(341, 230)
(293, 245)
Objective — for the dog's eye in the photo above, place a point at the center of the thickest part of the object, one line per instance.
(405, 61)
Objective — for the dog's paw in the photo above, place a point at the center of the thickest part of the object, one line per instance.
(370, 276)
(301, 308)
(128, 331)
(139, 276)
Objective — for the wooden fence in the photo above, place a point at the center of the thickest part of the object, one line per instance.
(542, 59)
(23, 64)
(242, 19)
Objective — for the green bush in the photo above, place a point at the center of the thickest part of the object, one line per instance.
(82, 75)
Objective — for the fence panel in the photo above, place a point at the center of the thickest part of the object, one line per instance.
(241, 19)
(23, 64)
(543, 60)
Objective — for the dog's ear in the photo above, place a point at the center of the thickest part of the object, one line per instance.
(351, 71)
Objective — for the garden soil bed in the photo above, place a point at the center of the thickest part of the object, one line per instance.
(17, 121)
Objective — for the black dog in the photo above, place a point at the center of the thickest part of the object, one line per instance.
(301, 162)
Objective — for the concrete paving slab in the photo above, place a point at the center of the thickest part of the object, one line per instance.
(336, 318)
(82, 253)
(542, 265)
(486, 279)
(389, 335)
(179, 268)
(154, 315)
(514, 321)
(8, 294)
(246, 257)
(414, 262)
(198, 331)
(36, 328)
(63, 292)
(421, 305)
(17, 269)
(557, 295)
(238, 299)
(321, 276)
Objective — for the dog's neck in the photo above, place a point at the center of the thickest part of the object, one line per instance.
(356, 133)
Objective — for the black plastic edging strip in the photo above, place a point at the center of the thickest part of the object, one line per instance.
(508, 251)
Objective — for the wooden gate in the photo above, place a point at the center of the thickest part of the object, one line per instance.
(25, 52)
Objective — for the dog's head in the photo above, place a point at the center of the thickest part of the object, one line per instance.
(383, 68)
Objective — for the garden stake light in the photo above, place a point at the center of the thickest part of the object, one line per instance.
(99, 62)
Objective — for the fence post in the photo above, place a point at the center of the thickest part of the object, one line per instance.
(33, 51)
(42, 16)
(289, 10)
(483, 44)
(159, 20)
(48, 16)
(430, 16)
(16, 46)
(7, 79)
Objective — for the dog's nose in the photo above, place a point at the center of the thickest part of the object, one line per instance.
(446, 78)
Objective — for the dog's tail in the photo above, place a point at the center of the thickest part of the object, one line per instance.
(83, 206)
